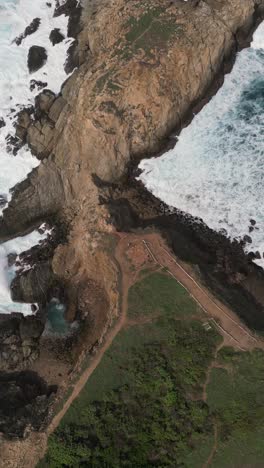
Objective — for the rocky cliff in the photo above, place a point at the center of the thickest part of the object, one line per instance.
(143, 67)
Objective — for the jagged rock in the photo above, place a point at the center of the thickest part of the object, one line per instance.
(44, 101)
(2, 122)
(35, 84)
(3, 201)
(37, 57)
(247, 239)
(11, 259)
(57, 108)
(31, 29)
(33, 285)
(24, 403)
(18, 333)
(56, 36)
(40, 136)
(23, 122)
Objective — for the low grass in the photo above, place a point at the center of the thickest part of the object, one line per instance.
(159, 293)
(236, 398)
(136, 409)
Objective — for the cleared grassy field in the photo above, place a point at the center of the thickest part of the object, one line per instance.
(143, 404)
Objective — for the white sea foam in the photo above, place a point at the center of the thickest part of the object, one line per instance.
(216, 170)
(14, 246)
(15, 16)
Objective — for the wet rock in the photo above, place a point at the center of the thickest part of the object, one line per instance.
(33, 285)
(24, 403)
(2, 122)
(11, 259)
(56, 36)
(43, 102)
(250, 229)
(3, 201)
(37, 57)
(24, 120)
(257, 255)
(17, 333)
(73, 9)
(247, 239)
(14, 144)
(252, 222)
(35, 84)
(31, 29)
(40, 136)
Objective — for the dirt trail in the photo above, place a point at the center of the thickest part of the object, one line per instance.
(214, 448)
(235, 333)
(134, 253)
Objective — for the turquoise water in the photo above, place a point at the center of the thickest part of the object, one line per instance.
(56, 321)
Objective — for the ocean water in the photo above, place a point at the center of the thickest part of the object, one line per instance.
(15, 16)
(216, 169)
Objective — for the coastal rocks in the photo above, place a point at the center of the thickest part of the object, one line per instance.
(56, 36)
(25, 399)
(24, 120)
(37, 57)
(43, 102)
(3, 201)
(30, 29)
(19, 340)
(34, 284)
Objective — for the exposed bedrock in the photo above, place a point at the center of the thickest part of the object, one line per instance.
(137, 84)
(145, 66)
(24, 403)
(19, 340)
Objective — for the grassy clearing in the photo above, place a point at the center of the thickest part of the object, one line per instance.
(236, 398)
(137, 408)
(159, 293)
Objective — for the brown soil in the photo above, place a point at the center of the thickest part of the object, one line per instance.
(134, 253)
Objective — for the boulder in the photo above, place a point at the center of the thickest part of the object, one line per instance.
(35, 84)
(33, 285)
(44, 101)
(37, 57)
(23, 122)
(56, 36)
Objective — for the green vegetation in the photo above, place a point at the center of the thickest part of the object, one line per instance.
(236, 398)
(143, 404)
(160, 294)
(153, 29)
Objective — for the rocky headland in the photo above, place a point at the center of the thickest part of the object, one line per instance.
(141, 70)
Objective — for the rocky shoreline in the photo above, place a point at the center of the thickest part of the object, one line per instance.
(119, 106)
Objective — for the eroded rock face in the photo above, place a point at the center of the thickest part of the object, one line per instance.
(24, 403)
(144, 67)
(19, 340)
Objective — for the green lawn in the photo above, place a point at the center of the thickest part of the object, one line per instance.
(236, 397)
(142, 406)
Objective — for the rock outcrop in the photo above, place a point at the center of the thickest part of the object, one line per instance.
(37, 57)
(144, 67)
(24, 403)
(19, 340)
